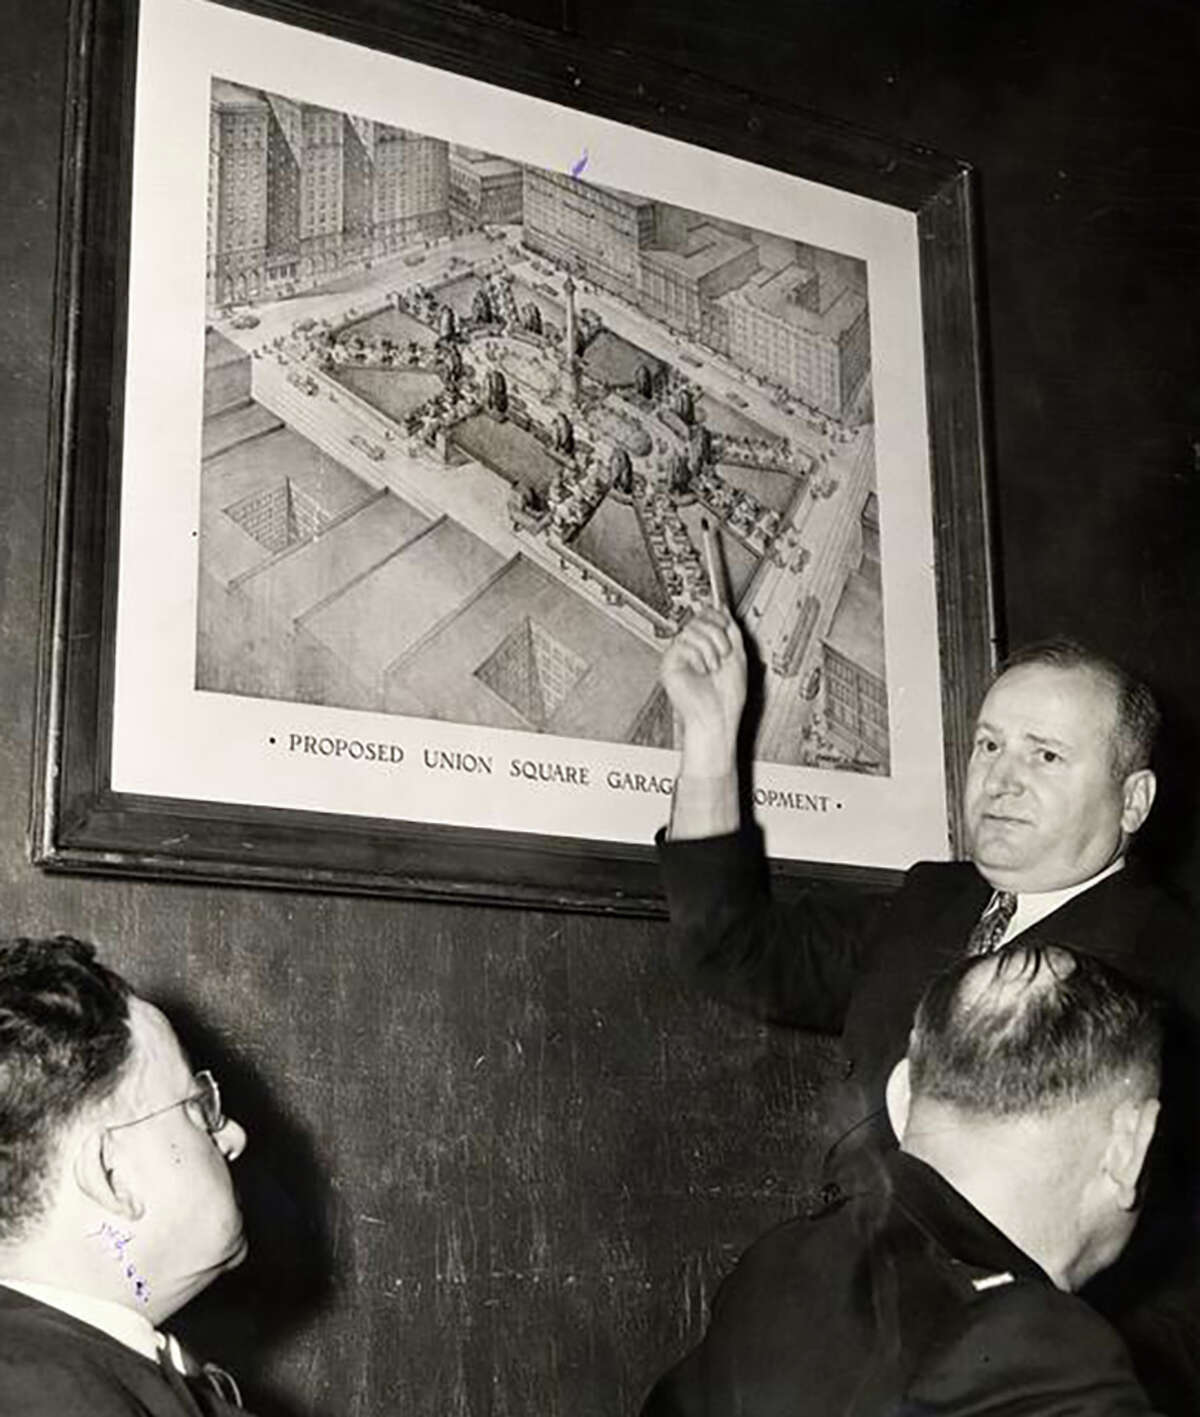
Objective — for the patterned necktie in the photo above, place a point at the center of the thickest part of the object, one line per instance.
(989, 929)
(204, 1381)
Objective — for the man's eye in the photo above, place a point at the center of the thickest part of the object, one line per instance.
(1048, 755)
(985, 745)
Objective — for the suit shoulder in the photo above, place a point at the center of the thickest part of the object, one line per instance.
(937, 882)
(1028, 1343)
(47, 1369)
(941, 874)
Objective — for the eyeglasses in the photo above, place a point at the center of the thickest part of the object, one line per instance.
(203, 1106)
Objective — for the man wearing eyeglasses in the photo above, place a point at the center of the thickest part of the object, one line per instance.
(116, 1200)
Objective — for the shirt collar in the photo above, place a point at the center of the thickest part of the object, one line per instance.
(1033, 906)
(132, 1329)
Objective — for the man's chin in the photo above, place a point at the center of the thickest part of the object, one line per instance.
(238, 1251)
(1003, 870)
(1001, 842)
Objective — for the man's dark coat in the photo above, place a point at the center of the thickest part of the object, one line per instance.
(54, 1365)
(852, 964)
(898, 1301)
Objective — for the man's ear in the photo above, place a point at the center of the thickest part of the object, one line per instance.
(898, 1097)
(1133, 1125)
(1137, 797)
(102, 1174)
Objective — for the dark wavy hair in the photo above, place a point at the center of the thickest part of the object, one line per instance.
(1041, 1027)
(1138, 718)
(64, 1042)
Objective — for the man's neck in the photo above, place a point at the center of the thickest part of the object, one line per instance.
(1043, 901)
(997, 1168)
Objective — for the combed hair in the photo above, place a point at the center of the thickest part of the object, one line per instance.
(1138, 717)
(64, 1041)
(1042, 1027)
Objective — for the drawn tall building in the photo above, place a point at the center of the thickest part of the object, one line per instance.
(853, 664)
(484, 190)
(597, 232)
(298, 192)
(806, 327)
(688, 268)
(239, 121)
(412, 188)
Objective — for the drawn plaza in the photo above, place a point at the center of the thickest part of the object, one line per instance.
(463, 418)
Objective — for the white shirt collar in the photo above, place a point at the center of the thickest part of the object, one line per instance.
(132, 1329)
(1033, 906)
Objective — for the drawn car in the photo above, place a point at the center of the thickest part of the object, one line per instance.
(304, 382)
(364, 445)
(244, 321)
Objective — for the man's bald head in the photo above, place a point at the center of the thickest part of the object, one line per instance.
(1136, 717)
(1028, 1030)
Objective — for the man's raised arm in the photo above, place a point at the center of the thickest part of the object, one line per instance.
(704, 674)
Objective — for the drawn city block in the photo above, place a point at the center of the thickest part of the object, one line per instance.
(464, 417)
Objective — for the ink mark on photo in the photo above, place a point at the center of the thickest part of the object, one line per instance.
(117, 1241)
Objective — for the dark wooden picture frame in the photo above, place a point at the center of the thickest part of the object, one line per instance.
(81, 824)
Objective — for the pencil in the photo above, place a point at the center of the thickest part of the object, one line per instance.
(710, 557)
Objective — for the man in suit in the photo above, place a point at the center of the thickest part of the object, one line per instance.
(116, 1200)
(1058, 784)
(942, 1282)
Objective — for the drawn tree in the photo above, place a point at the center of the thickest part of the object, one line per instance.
(481, 308)
(620, 469)
(699, 447)
(497, 391)
(564, 434)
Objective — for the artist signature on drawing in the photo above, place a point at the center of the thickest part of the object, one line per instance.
(118, 1241)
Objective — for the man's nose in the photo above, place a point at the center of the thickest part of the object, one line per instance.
(1004, 775)
(231, 1139)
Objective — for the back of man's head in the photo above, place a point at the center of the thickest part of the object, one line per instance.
(1027, 1030)
(1031, 1086)
(64, 1041)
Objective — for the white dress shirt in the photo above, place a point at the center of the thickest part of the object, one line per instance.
(1033, 906)
(132, 1329)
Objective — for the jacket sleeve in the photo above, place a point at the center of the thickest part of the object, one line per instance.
(1027, 1351)
(792, 963)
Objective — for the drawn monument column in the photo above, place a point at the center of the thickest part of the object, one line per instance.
(571, 358)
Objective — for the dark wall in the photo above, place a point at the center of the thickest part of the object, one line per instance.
(1081, 119)
(497, 1159)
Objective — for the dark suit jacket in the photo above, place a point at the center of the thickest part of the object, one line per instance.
(899, 1301)
(850, 963)
(52, 1365)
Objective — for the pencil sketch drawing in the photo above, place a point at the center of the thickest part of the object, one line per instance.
(463, 418)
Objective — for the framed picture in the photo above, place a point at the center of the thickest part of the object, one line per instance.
(403, 366)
